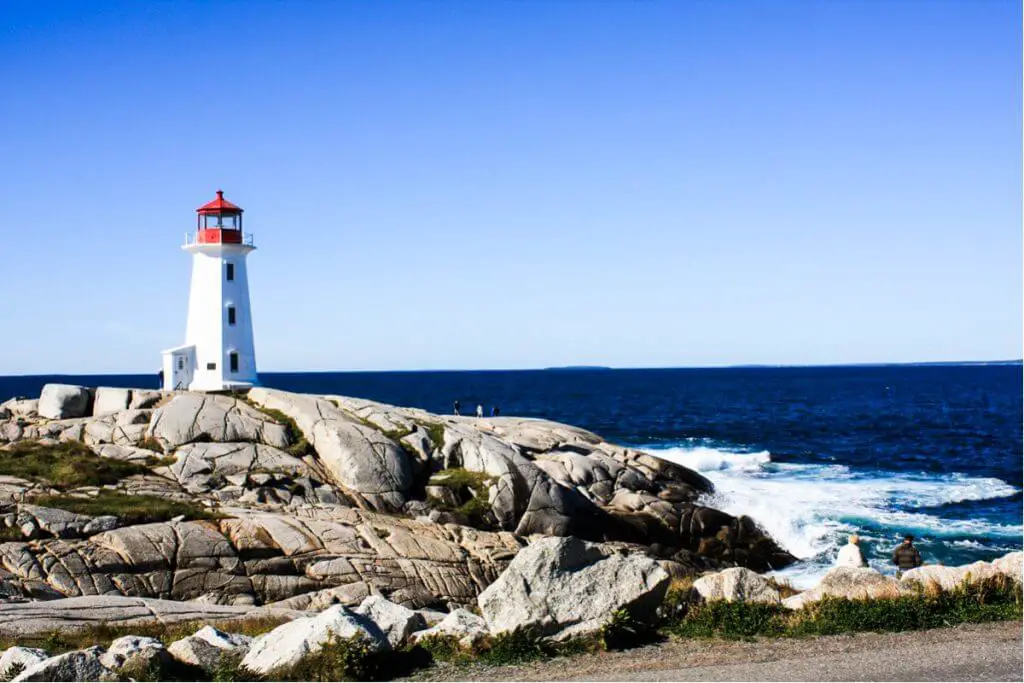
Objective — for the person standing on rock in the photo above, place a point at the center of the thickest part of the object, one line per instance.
(479, 410)
(495, 411)
(906, 556)
(850, 554)
(455, 406)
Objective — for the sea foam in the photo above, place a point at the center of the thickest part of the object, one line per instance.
(811, 508)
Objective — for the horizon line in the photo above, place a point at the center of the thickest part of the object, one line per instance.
(582, 367)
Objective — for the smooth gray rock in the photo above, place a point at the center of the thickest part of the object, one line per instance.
(565, 587)
(197, 417)
(737, 584)
(286, 645)
(206, 647)
(855, 583)
(30, 618)
(460, 623)
(111, 400)
(18, 659)
(63, 401)
(143, 398)
(78, 665)
(359, 458)
(397, 622)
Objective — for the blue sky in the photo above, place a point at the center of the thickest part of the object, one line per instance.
(517, 184)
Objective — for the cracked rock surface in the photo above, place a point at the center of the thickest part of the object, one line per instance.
(318, 500)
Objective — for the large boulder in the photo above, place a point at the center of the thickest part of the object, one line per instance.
(201, 417)
(136, 656)
(564, 587)
(207, 647)
(63, 401)
(737, 584)
(111, 400)
(78, 665)
(16, 659)
(397, 622)
(949, 578)
(361, 459)
(854, 583)
(286, 645)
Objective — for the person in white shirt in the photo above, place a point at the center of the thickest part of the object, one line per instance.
(850, 554)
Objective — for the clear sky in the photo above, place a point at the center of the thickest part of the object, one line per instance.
(516, 184)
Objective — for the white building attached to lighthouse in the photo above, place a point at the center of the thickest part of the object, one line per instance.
(218, 353)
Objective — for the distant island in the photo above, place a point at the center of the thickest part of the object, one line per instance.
(578, 368)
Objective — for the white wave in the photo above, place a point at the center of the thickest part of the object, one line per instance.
(810, 508)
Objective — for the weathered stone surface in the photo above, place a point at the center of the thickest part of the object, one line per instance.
(397, 622)
(34, 520)
(949, 578)
(18, 659)
(21, 407)
(134, 655)
(848, 582)
(287, 644)
(460, 623)
(28, 618)
(78, 665)
(61, 401)
(565, 587)
(205, 466)
(196, 417)
(206, 647)
(111, 400)
(145, 398)
(360, 459)
(736, 584)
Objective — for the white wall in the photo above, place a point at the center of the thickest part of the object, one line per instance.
(208, 329)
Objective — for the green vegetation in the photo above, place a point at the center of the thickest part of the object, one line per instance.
(435, 430)
(995, 599)
(130, 509)
(151, 444)
(64, 465)
(300, 446)
(10, 533)
(470, 487)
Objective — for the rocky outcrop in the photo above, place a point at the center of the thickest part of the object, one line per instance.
(207, 647)
(737, 584)
(395, 621)
(288, 644)
(949, 578)
(564, 587)
(134, 655)
(188, 418)
(78, 665)
(29, 618)
(460, 624)
(17, 659)
(61, 401)
(327, 499)
(855, 583)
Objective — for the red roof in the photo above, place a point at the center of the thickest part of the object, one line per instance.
(219, 206)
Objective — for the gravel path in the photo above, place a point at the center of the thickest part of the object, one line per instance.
(975, 652)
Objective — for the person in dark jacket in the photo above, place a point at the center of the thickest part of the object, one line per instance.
(906, 556)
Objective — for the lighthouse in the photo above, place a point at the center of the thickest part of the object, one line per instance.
(218, 353)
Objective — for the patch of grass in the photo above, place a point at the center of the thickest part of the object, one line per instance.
(12, 672)
(64, 465)
(351, 660)
(10, 533)
(435, 432)
(300, 446)
(458, 477)
(996, 599)
(785, 588)
(165, 461)
(151, 444)
(130, 509)
(472, 487)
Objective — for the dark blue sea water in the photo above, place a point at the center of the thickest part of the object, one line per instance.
(811, 453)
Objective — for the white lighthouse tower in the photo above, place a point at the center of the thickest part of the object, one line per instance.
(218, 353)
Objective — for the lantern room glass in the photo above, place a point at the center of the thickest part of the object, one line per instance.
(220, 221)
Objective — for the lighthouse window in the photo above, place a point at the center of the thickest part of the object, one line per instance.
(231, 315)
(233, 358)
(211, 366)
(230, 271)
(181, 363)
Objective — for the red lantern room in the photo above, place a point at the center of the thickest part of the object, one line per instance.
(219, 222)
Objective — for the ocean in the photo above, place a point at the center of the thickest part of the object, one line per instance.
(812, 454)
